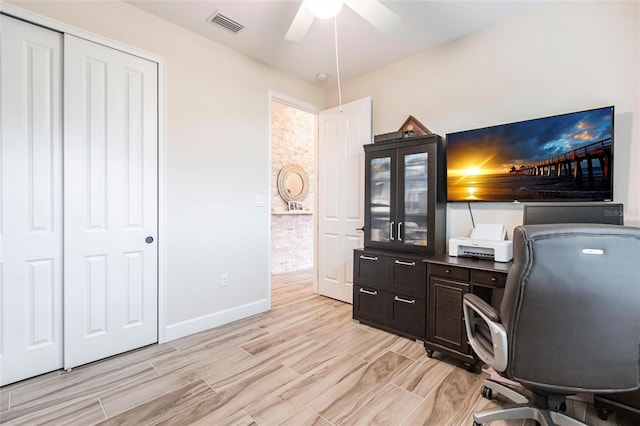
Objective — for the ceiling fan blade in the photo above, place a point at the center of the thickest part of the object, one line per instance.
(375, 12)
(300, 24)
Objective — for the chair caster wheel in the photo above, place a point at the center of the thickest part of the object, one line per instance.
(562, 407)
(487, 392)
(476, 423)
(429, 353)
(603, 413)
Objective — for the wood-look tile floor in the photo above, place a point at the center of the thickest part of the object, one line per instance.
(305, 362)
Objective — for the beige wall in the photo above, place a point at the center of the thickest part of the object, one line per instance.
(216, 160)
(562, 57)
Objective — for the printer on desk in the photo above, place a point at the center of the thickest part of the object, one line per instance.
(487, 241)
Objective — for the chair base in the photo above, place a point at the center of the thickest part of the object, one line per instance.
(522, 410)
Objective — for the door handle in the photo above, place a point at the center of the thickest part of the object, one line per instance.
(149, 239)
(360, 229)
(391, 231)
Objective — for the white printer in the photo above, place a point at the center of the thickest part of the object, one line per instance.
(487, 241)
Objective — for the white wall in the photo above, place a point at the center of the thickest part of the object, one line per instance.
(216, 160)
(562, 57)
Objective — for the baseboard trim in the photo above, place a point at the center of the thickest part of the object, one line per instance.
(206, 322)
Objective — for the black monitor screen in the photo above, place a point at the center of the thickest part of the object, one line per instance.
(541, 213)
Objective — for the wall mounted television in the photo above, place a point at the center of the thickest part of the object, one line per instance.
(567, 157)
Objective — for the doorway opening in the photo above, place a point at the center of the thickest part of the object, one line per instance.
(293, 192)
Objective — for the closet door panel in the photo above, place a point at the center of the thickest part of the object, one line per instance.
(110, 201)
(30, 201)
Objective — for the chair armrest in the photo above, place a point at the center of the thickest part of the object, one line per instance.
(486, 309)
(497, 357)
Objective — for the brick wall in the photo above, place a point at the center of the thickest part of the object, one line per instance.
(292, 142)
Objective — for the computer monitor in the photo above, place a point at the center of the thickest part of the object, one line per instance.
(541, 213)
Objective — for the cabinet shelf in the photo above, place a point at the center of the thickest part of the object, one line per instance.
(292, 213)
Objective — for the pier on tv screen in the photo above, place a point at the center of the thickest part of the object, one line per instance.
(563, 157)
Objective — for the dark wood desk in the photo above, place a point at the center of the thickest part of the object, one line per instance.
(448, 280)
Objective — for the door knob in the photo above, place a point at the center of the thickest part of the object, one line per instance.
(148, 240)
(360, 229)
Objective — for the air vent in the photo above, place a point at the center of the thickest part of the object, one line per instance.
(225, 22)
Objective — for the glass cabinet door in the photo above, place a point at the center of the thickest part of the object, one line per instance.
(380, 204)
(413, 222)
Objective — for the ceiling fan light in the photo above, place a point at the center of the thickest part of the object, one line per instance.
(324, 9)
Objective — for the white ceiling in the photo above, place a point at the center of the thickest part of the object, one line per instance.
(424, 25)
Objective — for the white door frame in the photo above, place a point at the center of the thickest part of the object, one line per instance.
(310, 108)
(65, 28)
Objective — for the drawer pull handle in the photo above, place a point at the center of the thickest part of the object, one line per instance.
(363, 257)
(400, 262)
(494, 279)
(447, 271)
(399, 299)
(372, 293)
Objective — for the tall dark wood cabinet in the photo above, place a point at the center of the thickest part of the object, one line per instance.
(405, 220)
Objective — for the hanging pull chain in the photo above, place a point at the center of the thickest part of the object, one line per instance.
(335, 32)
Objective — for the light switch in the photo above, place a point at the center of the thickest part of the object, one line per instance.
(260, 201)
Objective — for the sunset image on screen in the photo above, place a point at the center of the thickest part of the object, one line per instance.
(564, 156)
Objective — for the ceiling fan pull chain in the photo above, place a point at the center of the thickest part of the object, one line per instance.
(335, 27)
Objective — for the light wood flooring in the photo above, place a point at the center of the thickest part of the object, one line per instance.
(305, 362)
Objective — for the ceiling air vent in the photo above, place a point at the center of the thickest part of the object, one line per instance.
(224, 21)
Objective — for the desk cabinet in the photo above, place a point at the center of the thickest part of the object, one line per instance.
(390, 291)
(448, 280)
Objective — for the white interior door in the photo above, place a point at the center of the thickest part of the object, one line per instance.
(110, 216)
(30, 200)
(341, 194)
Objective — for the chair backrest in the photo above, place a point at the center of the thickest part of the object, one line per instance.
(571, 308)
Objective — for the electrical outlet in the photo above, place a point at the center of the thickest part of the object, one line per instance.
(224, 280)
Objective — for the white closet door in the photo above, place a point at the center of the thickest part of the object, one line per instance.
(30, 201)
(110, 173)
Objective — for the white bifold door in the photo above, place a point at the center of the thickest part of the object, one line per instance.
(110, 202)
(78, 201)
(31, 200)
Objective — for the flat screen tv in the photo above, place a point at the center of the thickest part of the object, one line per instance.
(567, 157)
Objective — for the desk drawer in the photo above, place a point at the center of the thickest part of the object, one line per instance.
(369, 304)
(407, 315)
(369, 269)
(452, 272)
(488, 278)
(408, 277)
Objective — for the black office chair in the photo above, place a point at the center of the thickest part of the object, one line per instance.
(569, 321)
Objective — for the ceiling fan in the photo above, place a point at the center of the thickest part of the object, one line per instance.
(373, 11)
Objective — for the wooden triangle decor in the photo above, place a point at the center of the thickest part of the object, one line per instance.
(413, 125)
